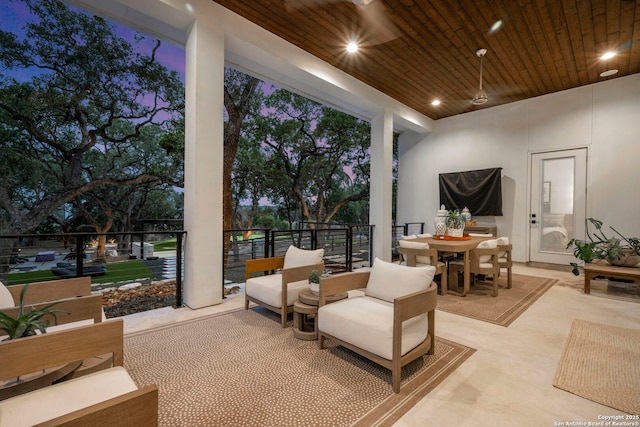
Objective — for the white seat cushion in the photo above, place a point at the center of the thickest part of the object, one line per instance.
(6, 299)
(63, 398)
(388, 281)
(296, 257)
(368, 324)
(268, 289)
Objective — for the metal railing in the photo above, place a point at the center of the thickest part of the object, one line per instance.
(109, 258)
(115, 258)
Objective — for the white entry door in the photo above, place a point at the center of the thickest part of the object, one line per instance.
(558, 204)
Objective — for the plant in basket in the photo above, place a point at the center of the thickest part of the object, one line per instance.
(616, 250)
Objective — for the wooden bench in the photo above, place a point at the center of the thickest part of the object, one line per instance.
(605, 269)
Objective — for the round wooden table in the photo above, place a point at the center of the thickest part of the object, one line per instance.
(305, 311)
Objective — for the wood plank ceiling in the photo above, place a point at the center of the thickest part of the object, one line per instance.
(420, 50)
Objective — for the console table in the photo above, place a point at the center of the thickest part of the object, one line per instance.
(606, 269)
(490, 229)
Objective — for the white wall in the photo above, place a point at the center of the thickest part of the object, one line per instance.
(605, 117)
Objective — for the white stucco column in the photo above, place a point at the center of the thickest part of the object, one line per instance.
(380, 199)
(204, 97)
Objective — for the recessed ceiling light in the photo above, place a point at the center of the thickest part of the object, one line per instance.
(352, 47)
(608, 73)
(496, 27)
(608, 55)
(435, 102)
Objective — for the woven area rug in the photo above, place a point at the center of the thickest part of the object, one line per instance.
(600, 363)
(503, 309)
(243, 369)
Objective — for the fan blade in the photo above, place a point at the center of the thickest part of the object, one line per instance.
(377, 27)
(297, 5)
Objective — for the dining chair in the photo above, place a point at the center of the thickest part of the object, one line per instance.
(419, 254)
(483, 260)
(504, 258)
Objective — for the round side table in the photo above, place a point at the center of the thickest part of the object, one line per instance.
(305, 311)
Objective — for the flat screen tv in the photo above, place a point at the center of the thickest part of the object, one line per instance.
(478, 190)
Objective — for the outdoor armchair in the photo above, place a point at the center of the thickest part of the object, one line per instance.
(277, 291)
(73, 296)
(392, 325)
(108, 397)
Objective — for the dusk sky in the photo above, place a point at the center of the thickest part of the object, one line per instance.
(14, 14)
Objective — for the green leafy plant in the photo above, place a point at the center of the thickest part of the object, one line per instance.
(314, 277)
(27, 322)
(600, 246)
(455, 219)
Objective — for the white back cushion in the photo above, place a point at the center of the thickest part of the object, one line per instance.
(490, 244)
(502, 241)
(6, 300)
(413, 245)
(388, 281)
(296, 257)
(413, 236)
(416, 245)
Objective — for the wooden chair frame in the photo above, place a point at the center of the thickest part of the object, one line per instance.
(404, 308)
(289, 275)
(74, 297)
(30, 354)
(507, 264)
(476, 268)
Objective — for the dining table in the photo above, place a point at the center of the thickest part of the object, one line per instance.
(463, 245)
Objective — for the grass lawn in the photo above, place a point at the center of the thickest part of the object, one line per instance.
(116, 272)
(164, 245)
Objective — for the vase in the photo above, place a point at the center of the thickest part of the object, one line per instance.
(455, 232)
(440, 226)
(315, 288)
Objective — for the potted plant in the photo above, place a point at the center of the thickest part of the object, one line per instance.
(27, 322)
(455, 221)
(620, 251)
(314, 282)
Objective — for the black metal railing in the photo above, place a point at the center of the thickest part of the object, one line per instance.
(47, 256)
(109, 258)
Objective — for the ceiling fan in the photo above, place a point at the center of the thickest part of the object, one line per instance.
(375, 27)
(481, 96)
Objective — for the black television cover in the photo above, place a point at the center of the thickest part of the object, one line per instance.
(478, 190)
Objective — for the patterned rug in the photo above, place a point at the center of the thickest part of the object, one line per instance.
(243, 369)
(503, 309)
(600, 363)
